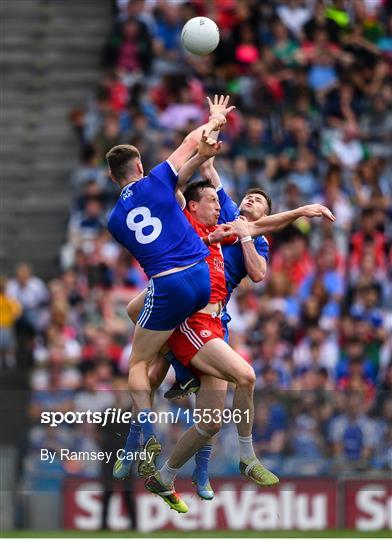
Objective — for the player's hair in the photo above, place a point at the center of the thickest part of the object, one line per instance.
(120, 159)
(261, 192)
(193, 192)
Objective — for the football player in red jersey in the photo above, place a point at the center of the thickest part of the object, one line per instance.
(198, 342)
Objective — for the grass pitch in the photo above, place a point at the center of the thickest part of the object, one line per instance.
(331, 533)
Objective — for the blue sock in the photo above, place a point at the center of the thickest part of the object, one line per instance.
(182, 372)
(146, 424)
(202, 459)
(133, 439)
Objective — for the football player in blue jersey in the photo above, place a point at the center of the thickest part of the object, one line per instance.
(149, 223)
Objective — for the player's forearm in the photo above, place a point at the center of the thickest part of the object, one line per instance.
(276, 222)
(195, 135)
(208, 171)
(188, 169)
(255, 265)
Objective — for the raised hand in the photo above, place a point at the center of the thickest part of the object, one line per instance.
(219, 107)
(317, 210)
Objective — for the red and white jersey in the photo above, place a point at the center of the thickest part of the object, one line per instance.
(214, 260)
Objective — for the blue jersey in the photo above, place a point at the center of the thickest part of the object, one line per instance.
(149, 223)
(235, 269)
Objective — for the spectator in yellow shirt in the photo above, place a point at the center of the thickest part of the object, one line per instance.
(10, 311)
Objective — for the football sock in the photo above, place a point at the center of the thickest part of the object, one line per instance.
(167, 474)
(146, 424)
(182, 372)
(246, 448)
(202, 459)
(133, 439)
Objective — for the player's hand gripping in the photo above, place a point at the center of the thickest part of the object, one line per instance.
(208, 147)
(222, 231)
(240, 227)
(219, 108)
(317, 210)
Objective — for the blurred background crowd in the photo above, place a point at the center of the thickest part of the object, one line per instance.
(311, 81)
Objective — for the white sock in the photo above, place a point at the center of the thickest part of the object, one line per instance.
(167, 474)
(246, 448)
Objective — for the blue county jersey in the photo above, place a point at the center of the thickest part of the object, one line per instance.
(235, 269)
(149, 223)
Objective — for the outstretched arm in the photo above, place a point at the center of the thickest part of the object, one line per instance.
(189, 145)
(207, 148)
(255, 264)
(276, 222)
(207, 169)
(209, 172)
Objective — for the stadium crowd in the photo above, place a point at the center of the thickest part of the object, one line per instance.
(311, 81)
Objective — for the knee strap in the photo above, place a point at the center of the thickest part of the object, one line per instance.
(202, 432)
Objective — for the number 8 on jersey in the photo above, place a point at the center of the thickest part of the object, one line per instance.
(147, 221)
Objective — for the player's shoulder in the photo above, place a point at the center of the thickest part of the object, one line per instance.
(261, 241)
(164, 168)
(112, 217)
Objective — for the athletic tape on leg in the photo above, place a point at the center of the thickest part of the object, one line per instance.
(202, 432)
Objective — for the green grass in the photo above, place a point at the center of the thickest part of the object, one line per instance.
(331, 533)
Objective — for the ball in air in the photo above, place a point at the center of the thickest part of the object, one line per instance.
(200, 36)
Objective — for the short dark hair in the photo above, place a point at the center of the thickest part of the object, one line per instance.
(120, 158)
(194, 190)
(263, 194)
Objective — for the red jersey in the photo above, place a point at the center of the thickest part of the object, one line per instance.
(214, 260)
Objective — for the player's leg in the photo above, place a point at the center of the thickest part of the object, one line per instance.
(218, 359)
(211, 397)
(170, 299)
(157, 371)
(145, 349)
(198, 341)
(183, 374)
(200, 475)
(136, 305)
(186, 381)
(122, 468)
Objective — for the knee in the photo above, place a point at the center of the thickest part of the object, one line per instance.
(209, 429)
(246, 378)
(139, 358)
(137, 372)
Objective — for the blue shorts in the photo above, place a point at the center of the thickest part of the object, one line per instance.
(225, 321)
(171, 299)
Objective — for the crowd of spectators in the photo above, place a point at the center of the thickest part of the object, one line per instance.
(311, 81)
